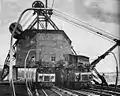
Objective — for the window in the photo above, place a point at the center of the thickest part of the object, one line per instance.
(33, 58)
(66, 57)
(53, 58)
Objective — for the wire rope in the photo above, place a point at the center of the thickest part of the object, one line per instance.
(87, 24)
(93, 28)
(110, 37)
(79, 25)
(26, 82)
(116, 82)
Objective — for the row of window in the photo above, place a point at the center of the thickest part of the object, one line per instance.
(53, 58)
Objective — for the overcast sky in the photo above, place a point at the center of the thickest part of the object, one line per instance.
(103, 14)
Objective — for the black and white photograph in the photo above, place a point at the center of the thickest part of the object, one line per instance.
(59, 47)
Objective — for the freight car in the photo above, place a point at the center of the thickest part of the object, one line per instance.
(75, 73)
(45, 77)
(73, 78)
(40, 77)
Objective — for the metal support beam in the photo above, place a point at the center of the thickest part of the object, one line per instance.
(53, 24)
(46, 19)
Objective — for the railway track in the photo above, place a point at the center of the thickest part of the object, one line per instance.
(91, 92)
(105, 90)
(109, 88)
(47, 92)
(99, 92)
(71, 92)
(64, 92)
(52, 92)
(56, 91)
(113, 93)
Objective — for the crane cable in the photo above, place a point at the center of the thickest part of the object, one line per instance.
(83, 22)
(10, 68)
(110, 36)
(80, 23)
(75, 24)
(116, 82)
(20, 17)
(81, 26)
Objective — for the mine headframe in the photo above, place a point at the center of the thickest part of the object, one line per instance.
(42, 18)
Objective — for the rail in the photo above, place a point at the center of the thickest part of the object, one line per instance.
(44, 92)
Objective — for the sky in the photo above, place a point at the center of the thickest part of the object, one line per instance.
(102, 14)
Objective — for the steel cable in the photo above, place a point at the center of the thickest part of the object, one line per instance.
(116, 82)
(79, 23)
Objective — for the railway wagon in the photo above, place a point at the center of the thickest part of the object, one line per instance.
(37, 77)
(45, 77)
(72, 78)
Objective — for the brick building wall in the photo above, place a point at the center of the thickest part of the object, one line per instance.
(52, 45)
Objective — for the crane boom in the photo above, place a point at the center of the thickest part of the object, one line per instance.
(93, 64)
(100, 32)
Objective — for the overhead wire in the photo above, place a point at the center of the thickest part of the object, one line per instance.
(79, 23)
(98, 31)
(87, 24)
(10, 71)
(75, 24)
(116, 81)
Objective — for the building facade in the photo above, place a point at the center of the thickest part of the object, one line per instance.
(43, 46)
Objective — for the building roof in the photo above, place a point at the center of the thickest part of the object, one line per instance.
(81, 56)
(34, 31)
